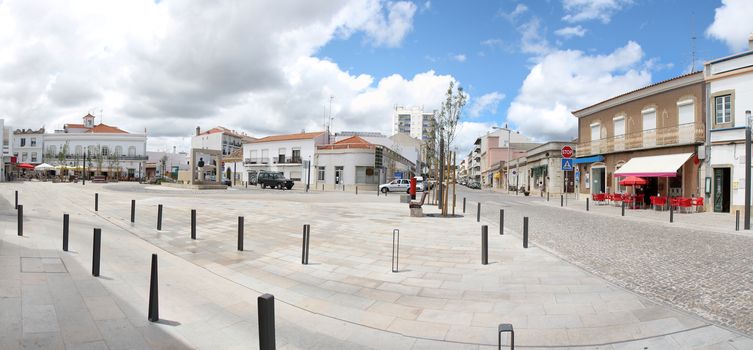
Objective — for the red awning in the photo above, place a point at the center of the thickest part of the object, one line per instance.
(25, 166)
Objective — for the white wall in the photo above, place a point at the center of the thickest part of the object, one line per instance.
(112, 141)
(743, 87)
(207, 141)
(348, 160)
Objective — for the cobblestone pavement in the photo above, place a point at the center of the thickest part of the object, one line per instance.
(696, 269)
(442, 297)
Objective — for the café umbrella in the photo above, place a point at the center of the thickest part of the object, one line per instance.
(633, 181)
(44, 167)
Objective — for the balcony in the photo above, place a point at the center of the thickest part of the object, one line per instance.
(290, 161)
(683, 134)
(121, 157)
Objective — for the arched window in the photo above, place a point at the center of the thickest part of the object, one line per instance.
(79, 150)
(118, 151)
(132, 151)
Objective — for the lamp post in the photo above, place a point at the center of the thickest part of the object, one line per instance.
(507, 164)
(747, 169)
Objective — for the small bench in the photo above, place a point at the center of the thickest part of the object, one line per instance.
(415, 207)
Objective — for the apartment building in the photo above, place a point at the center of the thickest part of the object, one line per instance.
(28, 146)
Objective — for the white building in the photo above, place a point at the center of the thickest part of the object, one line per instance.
(729, 94)
(414, 122)
(357, 162)
(28, 146)
(283, 153)
(219, 138)
(406, 146)
(6, 140)
(110, 150)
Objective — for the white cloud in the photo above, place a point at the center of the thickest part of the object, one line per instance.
(426, 6)
(532, 41)
(732, 24)
(485, 103)
(459, 57)
(585, 10)
(569, 32)
(566, 80)
(511, 16)
(246, 65)
(466, 134)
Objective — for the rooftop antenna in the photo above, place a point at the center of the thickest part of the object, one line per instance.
(329, 126)
(101, 115)
(692, 39)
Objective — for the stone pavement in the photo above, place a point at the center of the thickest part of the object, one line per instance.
(345, 298)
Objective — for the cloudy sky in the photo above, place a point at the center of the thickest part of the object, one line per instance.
(269, 67)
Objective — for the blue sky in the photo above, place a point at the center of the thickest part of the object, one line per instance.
(488, 34)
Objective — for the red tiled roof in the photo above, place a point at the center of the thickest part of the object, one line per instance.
(299, 136)
(350, 142)
(224, 130)
(353, 140)
(77, 126)
(105, 129)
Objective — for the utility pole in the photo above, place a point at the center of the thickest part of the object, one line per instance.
(747, 169)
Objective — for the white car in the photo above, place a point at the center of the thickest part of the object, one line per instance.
(397, 185)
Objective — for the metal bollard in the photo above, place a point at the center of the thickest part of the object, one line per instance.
(395, 250)
(737, 220)
(96, 251)
(478, 212)
(525, 232)
(240, 233)
(20, 220)
(547, 196)
(96, 202)
(623, 208)
(65, 232)
(305, 249)
(562, 200)
(266, 310)
(587, 203)
(484, 245)
(159, 217)
(246, 184)
(501, 222)
(671, 213)
(154, 292)
(505, 328)
(133, 210)
(193, 223)
(16, 206)
(463, 205)
(356, 190)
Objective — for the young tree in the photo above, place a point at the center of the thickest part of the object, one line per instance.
(447, 122)
(163, 165)
(98, 158)
(61, 157)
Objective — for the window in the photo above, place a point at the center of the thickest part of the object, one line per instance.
(296, 155)
(118, 151)
(79, 150)
(90, 150)
(105, 151)
(366, 175)
(595, 132)
(23, 156)
(281, 156)
(253, 155)
(132, 151)
(52, 150)
(296, 175)
(33, 157)
(619, 126)
(33, 142)
(722, 108)
(649, 119)
(685, 112)
(265, 156)
(23, 142)
(321, 173)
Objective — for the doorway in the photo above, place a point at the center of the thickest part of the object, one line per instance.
(721, 190)
(597, 180)
(338, 175)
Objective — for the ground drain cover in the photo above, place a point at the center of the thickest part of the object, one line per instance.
(43, 265)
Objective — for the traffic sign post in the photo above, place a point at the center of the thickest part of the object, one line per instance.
(567, 152)
(567, 164)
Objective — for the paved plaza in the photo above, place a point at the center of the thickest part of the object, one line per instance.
(588, 280)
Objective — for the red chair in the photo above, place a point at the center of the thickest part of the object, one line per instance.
(674, 202)
(659, 202)
(628, 200)
(698, 203)
(685, 203)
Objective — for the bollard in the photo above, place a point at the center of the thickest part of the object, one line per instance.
(623, 208)
(266, 310)
(484, 245)
(525, 232)
(395, 250)
(20, 220)
(547, 196)
(305, 249)
(562, 200)
(240, 233)
(501, 222)
(505, 328)
(478, 212)
(96, 202)
(193, 223)
(454, 197)
(154, 292)
(463, 205)
(737, 220)
(133, 210)
(159, 217)
(96, 251)
(16, 200)
(246, 184)
(356, 190)
(671, 213)
(587, 203)
(65, 232)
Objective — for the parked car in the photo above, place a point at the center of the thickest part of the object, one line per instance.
(397, 185)
(474, 185)
(274, 180)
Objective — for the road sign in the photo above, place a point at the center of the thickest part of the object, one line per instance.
(567, 152)
(567, 164)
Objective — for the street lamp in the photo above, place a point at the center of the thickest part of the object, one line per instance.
(747, 169)
(507, 164)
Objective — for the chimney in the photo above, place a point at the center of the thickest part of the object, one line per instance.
(198, 131)
(750, 41)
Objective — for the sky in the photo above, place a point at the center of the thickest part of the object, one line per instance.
(271, 67)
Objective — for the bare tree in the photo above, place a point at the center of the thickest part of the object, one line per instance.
(62, 156)
(447, 122)
(98, 158)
